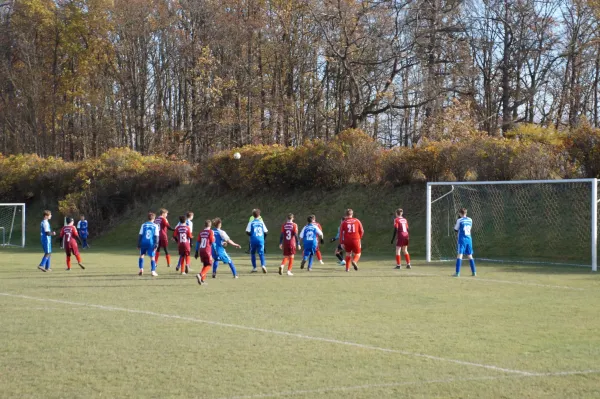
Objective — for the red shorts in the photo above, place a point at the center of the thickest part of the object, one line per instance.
(72, 250)
(163, 241)
(402, 241)
(352, 246)
(289, 250)
(206, 258)
(184, 250)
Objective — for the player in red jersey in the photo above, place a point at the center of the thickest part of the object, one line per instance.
(401, 229)
(183, 236)
(163, 238)
(206, 238)
(68, 241)
(351, 233)
(288, 242)
(318, 251)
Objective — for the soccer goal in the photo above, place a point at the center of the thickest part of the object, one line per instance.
(535, 221)
(12, 225)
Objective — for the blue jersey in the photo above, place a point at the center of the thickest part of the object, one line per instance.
(82, 228)
(148, 235)
(463, 226)
(310, 236)
(257, 230)
(45, 228)
(220, 238)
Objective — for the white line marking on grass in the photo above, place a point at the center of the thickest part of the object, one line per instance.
(406, 383)
(276, 332)
(563, 287)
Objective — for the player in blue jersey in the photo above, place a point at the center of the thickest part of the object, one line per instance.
(148, 243)
(257, 230)
(339, 251)
(219, 252)
(310, 235)
(82, 229)
(463, 227)
(46, 234)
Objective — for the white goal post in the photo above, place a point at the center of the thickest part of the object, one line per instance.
(521, 221)
(12, 225)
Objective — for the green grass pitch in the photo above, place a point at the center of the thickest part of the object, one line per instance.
(512, 332)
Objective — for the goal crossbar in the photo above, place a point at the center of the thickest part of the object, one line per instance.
(593, 207)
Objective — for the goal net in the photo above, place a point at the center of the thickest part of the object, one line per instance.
(12, 225)
(547, 221)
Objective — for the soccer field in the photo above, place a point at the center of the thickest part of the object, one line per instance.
(511, 332)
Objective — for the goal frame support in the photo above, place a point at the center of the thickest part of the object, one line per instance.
(593, 205)
(23, 220)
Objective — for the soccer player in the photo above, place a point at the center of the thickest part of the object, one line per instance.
(148, 243)
(250, 221)
(206, 238)
(68, 236)
(288, 242)
(189, 216)
(310, 236)
(351, 233)
(401, 229)
(257, 230)
(339, 251)
(465, 242)
(82, 228)
(163, 239)
(46, 240)
(318, 250)
(221, 241)
(183, 236)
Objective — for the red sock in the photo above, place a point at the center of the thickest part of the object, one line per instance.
(290, 264)
(398, 260)
(356, 258)
(68, 262)
(205, 270)
(348, 260)
(157, 256)
(187, 260)
(168, 259)
(407, 257)
(319, 257)
(78, 258)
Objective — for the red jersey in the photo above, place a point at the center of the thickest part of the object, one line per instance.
(68, 234)
(206, 238)
(183, 235)
(163, 225)
(351, 230)
(289, 231)
(401, 226)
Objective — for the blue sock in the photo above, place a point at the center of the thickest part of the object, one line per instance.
(141, 263)
(153, 265)
(43, 261)
(84, 242)
(262, 259)
(215, 266)
(253, 259)
(458, 262)
(232, 267)
(47, 262)
(310, 261)
(472, 263)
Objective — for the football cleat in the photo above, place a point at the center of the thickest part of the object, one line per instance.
(236, 276)
(183, 273)
(322, 262)
(81, 265)
(354, 265)
(289, 273)
(398, 267)
(343, 263)
(474, 274)
(302, 263)
(48, 270)
(187, 270)
(68, 269)
(141, 272)
(154, 274)
(281, 270)
(253, 271)
(177, 268)
(264, 269)
(199, 278)
(41, 268)
(214, 275)
(409, 266)
(456, 275)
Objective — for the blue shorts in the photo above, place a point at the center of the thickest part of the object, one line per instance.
(308, 251)
(46, 245)
(257, 248)
(223, 256)
(465, 248)
(147, 251)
